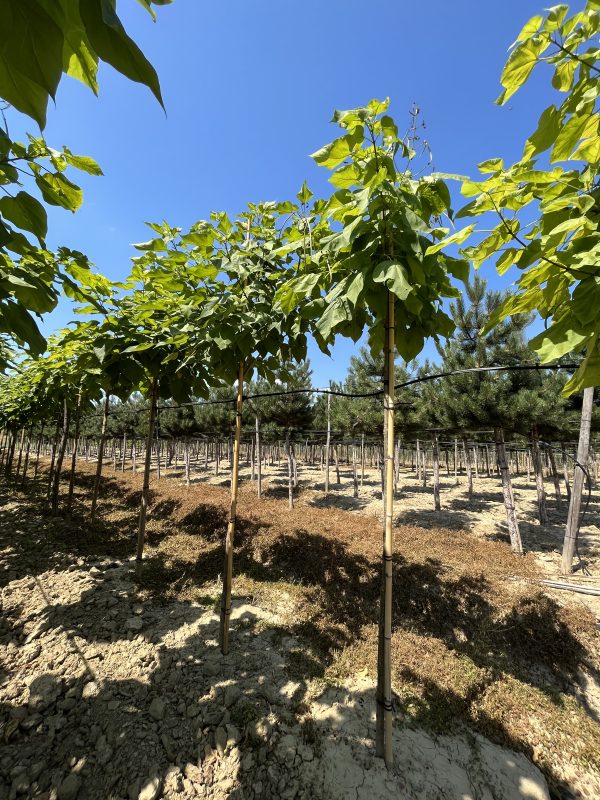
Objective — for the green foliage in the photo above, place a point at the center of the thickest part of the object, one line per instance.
(382, 237)
(44, 39)
(556, 180)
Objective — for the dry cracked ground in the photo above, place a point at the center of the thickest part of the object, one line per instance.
(115, 688)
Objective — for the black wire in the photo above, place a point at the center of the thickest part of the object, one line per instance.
(355, 395)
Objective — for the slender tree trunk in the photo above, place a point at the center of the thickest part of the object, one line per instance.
(384, 688)
(539, 476)
(354, 473)
(583, 447)
(555, 478)
(566, 472)
(20, 459)
(288, 448)
(362, 460)
(60, 457)
(507, 490)
(436, 471)
(228, 572)
(27, 451)
(53, 459)
(187, 461)
(327, 445)
(456, 461)
(153, 393)
(468, 469)
(37, 451)
(74, 456)
(101, 444)
(258, 459)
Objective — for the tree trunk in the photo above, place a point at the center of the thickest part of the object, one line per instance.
(101, 444)
(436, 471)
(258, 459)
(59, 459)
(74, 456)
(384, 671)
(37, 451)
(187, 461)
(555, 478)
(327, 445)
(153, 393)
(539, 476)
(468, 469)
(27, 451)
(583, 447)
(228, 571)
(288, 448)
(52, 459)
(509, 500)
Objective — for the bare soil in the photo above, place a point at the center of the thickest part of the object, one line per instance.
(490, 668)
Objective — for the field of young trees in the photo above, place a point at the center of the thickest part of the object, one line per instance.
(220, 580)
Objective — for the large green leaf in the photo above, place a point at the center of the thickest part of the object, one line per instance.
(31, 48)
(521, 62)
(26, 212)
(59, 191)
(112, 44)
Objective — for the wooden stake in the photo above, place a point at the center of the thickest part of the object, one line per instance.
(583, 447)
(509, 500)
(228, 571)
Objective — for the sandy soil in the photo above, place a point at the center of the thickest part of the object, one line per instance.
(115, 689)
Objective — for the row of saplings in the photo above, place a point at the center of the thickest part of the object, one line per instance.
(460, 455)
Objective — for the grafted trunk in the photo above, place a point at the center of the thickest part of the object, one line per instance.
(579, 476)
(507, 490)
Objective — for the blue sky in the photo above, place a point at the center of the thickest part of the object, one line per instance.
(249, 90)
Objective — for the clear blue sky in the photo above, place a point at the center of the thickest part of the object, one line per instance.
(249, 90)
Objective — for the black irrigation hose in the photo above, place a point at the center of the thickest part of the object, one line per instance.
(356, 395)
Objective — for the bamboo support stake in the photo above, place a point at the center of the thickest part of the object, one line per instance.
(146, 483)
(228, 572)
(578, 480)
